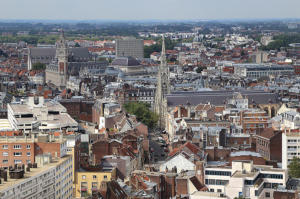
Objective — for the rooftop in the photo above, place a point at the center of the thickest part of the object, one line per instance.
(33, 172)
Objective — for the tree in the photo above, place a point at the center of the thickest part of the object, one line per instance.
(77, 44)
(294, 168)
(218, 54)
(200, 69)
(142, 113)
(148, 50)
(38, 66)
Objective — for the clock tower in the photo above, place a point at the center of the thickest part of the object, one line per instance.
(62, 58)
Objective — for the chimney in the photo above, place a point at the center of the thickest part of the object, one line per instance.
(200, 171)
(179, 112)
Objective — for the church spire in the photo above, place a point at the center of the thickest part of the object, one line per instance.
(163, 87)
(62, 35)
(163, 59)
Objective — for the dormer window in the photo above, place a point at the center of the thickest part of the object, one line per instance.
(36, 100)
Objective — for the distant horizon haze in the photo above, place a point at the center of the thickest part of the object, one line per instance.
(141, 10)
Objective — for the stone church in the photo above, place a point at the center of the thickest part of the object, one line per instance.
(63, 65)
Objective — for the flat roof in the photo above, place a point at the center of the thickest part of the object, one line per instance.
(33, 172)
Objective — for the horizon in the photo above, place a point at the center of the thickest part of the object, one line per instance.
(233, 20)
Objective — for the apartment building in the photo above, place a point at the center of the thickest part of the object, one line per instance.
(88, 181)
(243, 179)
(290, 146)
(254, 120)
(51, 179)
(23, 149)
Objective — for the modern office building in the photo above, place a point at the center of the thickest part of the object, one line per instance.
(244, 180)
(35, 113)
(130, 47)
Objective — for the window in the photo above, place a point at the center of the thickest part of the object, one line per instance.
(28, 161)
(5, 154)
(18, 162)
(267, 194)
(17, 153)
(28, 154)
(5, 146)
(83, 185)
(17, 146)
(105, 177)
(212, 190)
(28, 146)
(83, 177)
(219, 173)
(4, 161)
(219, 190)
(94, 185)
(94, 177)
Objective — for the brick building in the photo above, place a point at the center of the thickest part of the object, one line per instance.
(247, 155)
(268, 144)
(254, 121)
(80, 109)
(217, 153)
(23, 149)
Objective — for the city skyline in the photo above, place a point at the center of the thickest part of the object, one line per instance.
(144, 10)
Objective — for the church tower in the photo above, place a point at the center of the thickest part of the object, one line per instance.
(162, 88)
(62, 58)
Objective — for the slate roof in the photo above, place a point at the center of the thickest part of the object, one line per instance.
(42, 52)
(219, 97)
(50, 52)
(125, 61)
(268, 133)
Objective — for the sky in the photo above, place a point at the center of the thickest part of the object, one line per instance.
(148, 9)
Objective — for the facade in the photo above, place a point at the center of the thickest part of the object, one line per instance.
(23, 149)
(290, 146)
(52, 180)
(254, 120)
(142, 94)
(130, 47)
(89, 182)
(80, 109)
(268, 144)
(37, 114)
(256, 70)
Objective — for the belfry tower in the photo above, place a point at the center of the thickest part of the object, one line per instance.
(62, 58)
(162, 88)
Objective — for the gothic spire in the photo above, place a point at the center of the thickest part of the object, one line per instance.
(162, 88)
(163, 59)
(62, 35)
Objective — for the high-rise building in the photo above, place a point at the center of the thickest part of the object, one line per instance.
(47, 179)
(130, 47)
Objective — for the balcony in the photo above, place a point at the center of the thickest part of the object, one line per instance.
(83, 189)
